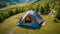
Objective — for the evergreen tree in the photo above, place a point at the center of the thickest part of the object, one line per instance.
(10, 13)
(42, 10)
(47, 7)
(17, 11)
(37, 8)
(58, 14)
(1, 19)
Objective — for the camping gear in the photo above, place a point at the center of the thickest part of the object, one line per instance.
(31, 19)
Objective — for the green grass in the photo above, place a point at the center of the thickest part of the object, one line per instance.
(9, 26)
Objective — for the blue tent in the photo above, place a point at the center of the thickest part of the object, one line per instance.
(35, 20)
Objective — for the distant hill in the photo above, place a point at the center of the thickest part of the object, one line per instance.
(4, 3)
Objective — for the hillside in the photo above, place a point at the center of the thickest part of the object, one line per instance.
(41, 7)
(8, 18)
(15, 2)
(9, 26)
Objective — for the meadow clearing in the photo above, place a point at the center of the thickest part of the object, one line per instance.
(8, 26)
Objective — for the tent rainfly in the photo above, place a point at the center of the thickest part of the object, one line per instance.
(31, 19)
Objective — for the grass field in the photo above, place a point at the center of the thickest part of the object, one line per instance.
(9, 26)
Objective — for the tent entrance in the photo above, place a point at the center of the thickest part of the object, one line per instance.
(27, 19)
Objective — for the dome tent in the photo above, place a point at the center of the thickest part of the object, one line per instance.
(33, 20)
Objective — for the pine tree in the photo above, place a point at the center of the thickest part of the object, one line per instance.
(58, 14)
(37, 8)
(10, 13)
(42, 10)
(47, 7)
(17, 11)
(1, 19)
